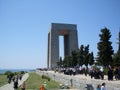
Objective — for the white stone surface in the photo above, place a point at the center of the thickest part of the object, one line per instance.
(80, 81)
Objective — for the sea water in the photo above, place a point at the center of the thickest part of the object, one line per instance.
(2, 71)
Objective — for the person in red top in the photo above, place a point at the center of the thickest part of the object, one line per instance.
(42, 87)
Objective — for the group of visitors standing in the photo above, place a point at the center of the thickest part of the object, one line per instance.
(22, 86)
(114, 72)
(94, 73)
(97, 74)
(15, 79)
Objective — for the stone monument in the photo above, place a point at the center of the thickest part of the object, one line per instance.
(69, 31)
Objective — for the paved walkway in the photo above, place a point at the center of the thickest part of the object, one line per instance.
(10, 86)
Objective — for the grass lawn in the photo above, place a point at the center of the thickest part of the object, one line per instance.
(3, 80)
(35, 81)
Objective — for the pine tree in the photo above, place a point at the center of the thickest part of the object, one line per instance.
(80, 55)
(118, 45)
(86, 55)
(91, 58)
(105, 50)
(116, 56)
(74, 58)
(67, 62)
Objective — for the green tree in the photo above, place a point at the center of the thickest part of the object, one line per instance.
(80, 55)
(116, 57)
(116, 60)
(86, 55)
(118, 44)
(74, 58)
(9, 73)
(60, 62)
(105, 50)
(91, 58)
(67, 62)
(83, 56)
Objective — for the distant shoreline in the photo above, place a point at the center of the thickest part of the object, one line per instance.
(2, 71)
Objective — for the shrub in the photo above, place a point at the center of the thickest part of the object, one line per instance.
(105, 71)
(9, 73)
(22, 72)
(45, 77)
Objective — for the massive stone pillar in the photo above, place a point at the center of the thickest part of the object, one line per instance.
(69, 31)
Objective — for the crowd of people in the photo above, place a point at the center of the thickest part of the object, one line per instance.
(15, 78)
(112, 73)
(96, 73)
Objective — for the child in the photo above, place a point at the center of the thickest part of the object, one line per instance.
(98, 87)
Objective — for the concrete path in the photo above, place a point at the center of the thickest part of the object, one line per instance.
(10, 86)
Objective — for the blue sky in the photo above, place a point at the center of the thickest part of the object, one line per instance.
(24, 25)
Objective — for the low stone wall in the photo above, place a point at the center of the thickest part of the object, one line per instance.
(79, 82)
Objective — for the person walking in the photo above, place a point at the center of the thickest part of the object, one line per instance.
(23, 86)
(15, 84)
